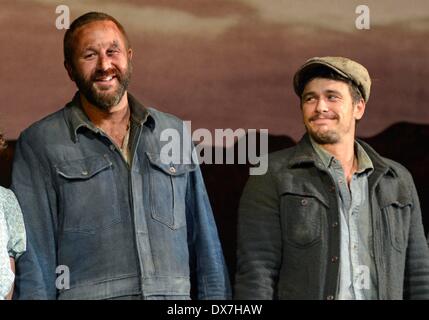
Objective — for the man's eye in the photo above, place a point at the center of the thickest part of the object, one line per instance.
(89, 55)
(309, 99)
(332, 97)
(110, 52)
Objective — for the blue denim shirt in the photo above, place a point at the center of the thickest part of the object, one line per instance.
(357, 275)
(115, 229)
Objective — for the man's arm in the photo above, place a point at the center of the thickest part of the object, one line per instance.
(259, 243)
(416, 283)
(210, 269)
(12, 267)
(35, 269)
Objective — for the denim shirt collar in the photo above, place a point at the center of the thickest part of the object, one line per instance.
(364, 161)
(306, 155)
(76, 117)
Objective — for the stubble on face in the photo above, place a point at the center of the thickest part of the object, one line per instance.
(329, 122)
(323, 137)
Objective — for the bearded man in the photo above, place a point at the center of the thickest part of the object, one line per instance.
(107, 216)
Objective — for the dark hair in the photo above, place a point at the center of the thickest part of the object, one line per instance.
(3, 143)
(83, 20)
(327, 73)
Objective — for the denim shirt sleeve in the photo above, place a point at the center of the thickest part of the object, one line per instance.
(207, 261)
(35, 269)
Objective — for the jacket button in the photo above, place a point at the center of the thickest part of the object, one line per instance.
(304, 202)
(332, 188)
(112, 147)
(84, 173)
(335, 224)
(334, 259)
(330, 298)
(172, 169)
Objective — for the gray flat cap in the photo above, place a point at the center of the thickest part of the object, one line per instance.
(347, 68)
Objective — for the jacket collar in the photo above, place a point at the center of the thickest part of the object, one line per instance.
(76, 118)
(305, 155)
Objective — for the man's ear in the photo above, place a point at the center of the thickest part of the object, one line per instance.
(359, 109)
(130, 54)
(69, 69)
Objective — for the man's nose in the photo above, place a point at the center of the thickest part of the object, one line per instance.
(321, 106)
(103, 62)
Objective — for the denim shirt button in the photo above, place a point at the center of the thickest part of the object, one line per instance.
(334, 259)
(84, 173)
(330, 297)
(172, 169)
(304, 202)
(335, 224)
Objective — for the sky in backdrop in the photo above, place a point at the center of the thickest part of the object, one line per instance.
(223, 63)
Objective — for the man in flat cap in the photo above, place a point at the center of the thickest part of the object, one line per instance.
(331, 219)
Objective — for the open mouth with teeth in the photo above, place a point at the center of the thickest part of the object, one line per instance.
(105, 79)
(105, 82)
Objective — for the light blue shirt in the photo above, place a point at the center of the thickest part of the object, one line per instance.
(357, 274)
(12, 238)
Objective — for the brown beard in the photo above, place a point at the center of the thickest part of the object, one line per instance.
(329, 137)
(104, 101)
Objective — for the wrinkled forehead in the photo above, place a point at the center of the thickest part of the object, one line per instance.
(98, 34)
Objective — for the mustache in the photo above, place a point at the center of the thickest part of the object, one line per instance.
(105, 73)
(327, 115)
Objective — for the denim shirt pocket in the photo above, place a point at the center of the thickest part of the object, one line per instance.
(87, 194)
(167, 191)
(396, 214)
